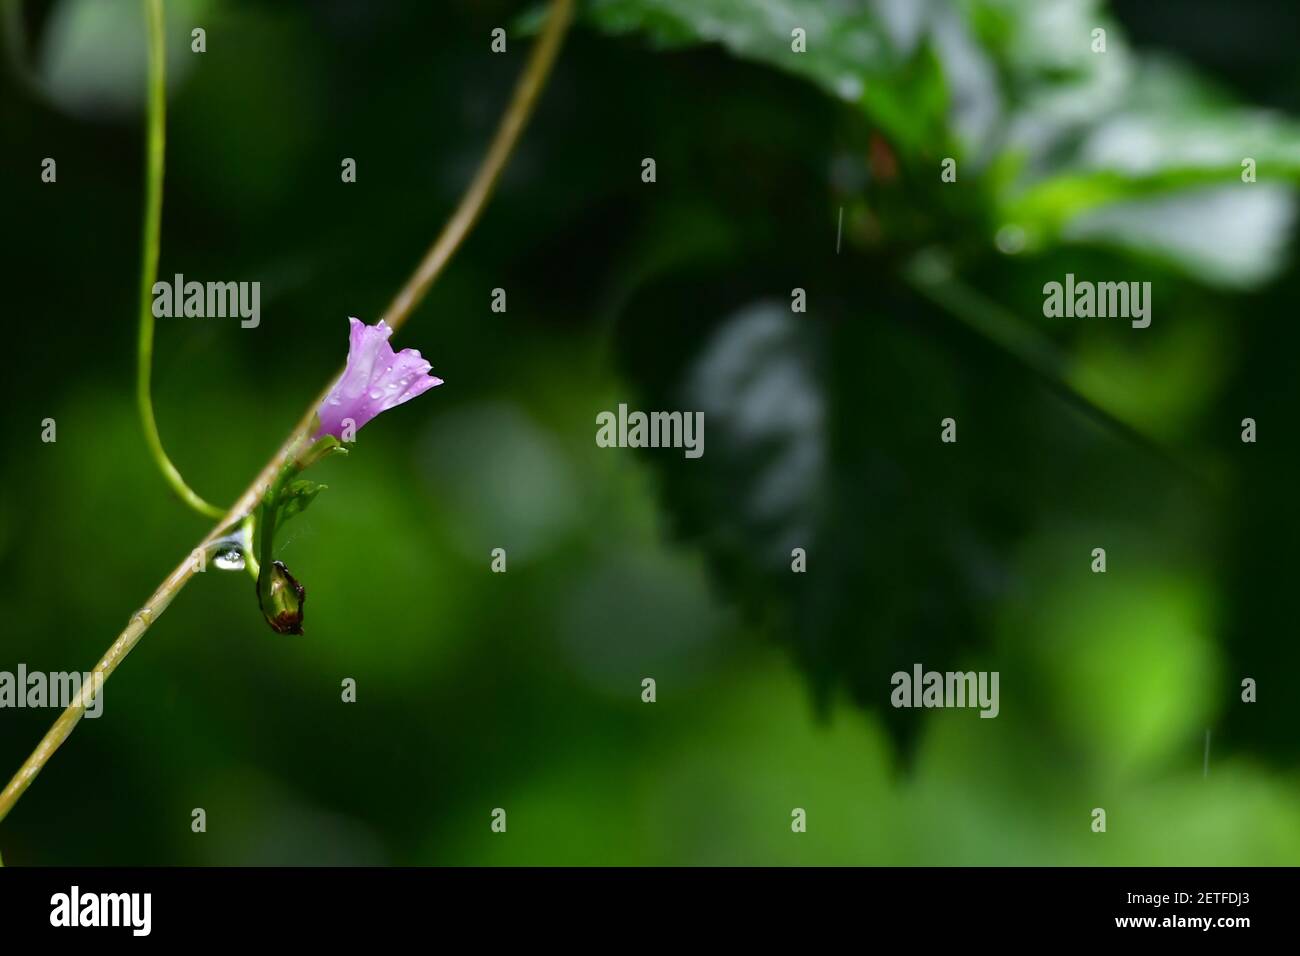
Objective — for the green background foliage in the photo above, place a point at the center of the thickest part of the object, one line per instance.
(522, 690)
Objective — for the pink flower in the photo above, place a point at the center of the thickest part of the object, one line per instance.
(375, 380)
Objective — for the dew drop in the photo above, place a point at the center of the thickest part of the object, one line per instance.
(228, 553)
(229, 559)
(144, 615)
(375, 393)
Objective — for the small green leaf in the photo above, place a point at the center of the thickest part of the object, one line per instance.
(317, 451)
(296, 498)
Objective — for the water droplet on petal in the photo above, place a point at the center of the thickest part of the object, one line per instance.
(375, 393)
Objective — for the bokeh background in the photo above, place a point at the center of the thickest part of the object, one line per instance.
(522, 690)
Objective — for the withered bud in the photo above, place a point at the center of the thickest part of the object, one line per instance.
(281, 598)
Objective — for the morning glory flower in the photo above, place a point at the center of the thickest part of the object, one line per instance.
(375, 380)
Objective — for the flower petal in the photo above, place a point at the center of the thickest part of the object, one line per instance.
(374, 380)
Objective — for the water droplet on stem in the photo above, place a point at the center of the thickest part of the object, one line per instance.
(229, 559)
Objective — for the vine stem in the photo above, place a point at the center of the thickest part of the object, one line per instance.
(529, 87)
(155, 148)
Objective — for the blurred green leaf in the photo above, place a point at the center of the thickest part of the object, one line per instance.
(94, 59)
(849, 52)
(1160, 174)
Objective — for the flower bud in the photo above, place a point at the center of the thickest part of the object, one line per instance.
(281, 598)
